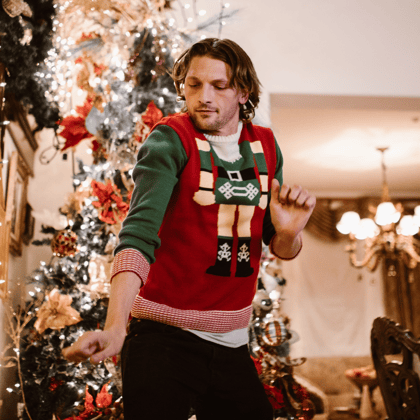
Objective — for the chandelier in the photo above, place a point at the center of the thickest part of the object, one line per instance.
(386, 235)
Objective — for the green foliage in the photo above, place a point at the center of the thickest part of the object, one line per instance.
(23, 60)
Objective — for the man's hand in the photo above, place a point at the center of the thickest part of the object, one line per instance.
(96, 345)
(290, 209)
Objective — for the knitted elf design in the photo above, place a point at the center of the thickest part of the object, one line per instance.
(237, 191)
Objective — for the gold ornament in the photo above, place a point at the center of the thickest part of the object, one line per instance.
(16, 7)
(56, 312)
(64, 243)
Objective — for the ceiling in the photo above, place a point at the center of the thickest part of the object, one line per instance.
(329, 143)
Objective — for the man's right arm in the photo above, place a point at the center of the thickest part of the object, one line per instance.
(160, 161)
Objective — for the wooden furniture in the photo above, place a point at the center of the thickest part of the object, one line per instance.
(396, 357)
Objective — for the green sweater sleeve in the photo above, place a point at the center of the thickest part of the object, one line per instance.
(268, 228)
(160, 162)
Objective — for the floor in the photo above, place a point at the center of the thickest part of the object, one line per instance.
(348, 416)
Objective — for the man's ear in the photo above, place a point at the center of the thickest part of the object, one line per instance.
(244, 97)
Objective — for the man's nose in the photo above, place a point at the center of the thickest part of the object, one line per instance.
(206, 94)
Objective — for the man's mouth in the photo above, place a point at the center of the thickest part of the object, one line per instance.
(205, 110)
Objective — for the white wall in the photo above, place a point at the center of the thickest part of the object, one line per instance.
(340, 47)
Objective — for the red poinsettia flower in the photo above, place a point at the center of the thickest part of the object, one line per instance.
(152, 115)
(300, 392)
(275, 396)
(103, 400)
(112, 208)
(257, 363)
(74, 130)
(149, 118)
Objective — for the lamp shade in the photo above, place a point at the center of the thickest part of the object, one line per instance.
(366, 229)
(348, 222)
(407, 226)
(386, 214)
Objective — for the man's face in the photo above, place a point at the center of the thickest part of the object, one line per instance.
(212, 103)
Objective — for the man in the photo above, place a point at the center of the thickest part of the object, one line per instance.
(192, 243)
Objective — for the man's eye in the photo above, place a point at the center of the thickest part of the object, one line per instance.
(220, 87)
(193, 86)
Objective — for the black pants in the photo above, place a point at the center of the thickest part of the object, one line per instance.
(167, 370)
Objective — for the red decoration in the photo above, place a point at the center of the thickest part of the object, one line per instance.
(87, 37)
(98, 151)
(275, 396)
(275, 378)
(64, 243)
(103, 400)
(149, 118)
(54, 384)
(74, 130)
(112, 208)
(300, 392)
(307, 411)
(89, 406)
(152, 115)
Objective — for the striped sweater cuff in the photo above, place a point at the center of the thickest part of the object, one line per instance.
(131, 260)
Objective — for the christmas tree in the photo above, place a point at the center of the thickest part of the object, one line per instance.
(115, 57)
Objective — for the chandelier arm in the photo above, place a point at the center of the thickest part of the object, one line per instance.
(376, 261)
(369, 255)
(415, 258)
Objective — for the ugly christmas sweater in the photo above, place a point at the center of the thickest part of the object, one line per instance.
(197, 222)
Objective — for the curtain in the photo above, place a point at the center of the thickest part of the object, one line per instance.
(331, 304)
(402, 294)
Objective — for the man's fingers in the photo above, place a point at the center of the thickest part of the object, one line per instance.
(311, 201)
(296, 196)
(284, 194)
(275, 190)
(102, 355)
(83, 348)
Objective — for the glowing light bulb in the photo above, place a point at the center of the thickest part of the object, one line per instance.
(366, 229)
(386, 214)
(348, 222)
(407, 226)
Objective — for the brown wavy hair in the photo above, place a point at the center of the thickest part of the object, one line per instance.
(244, 76)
